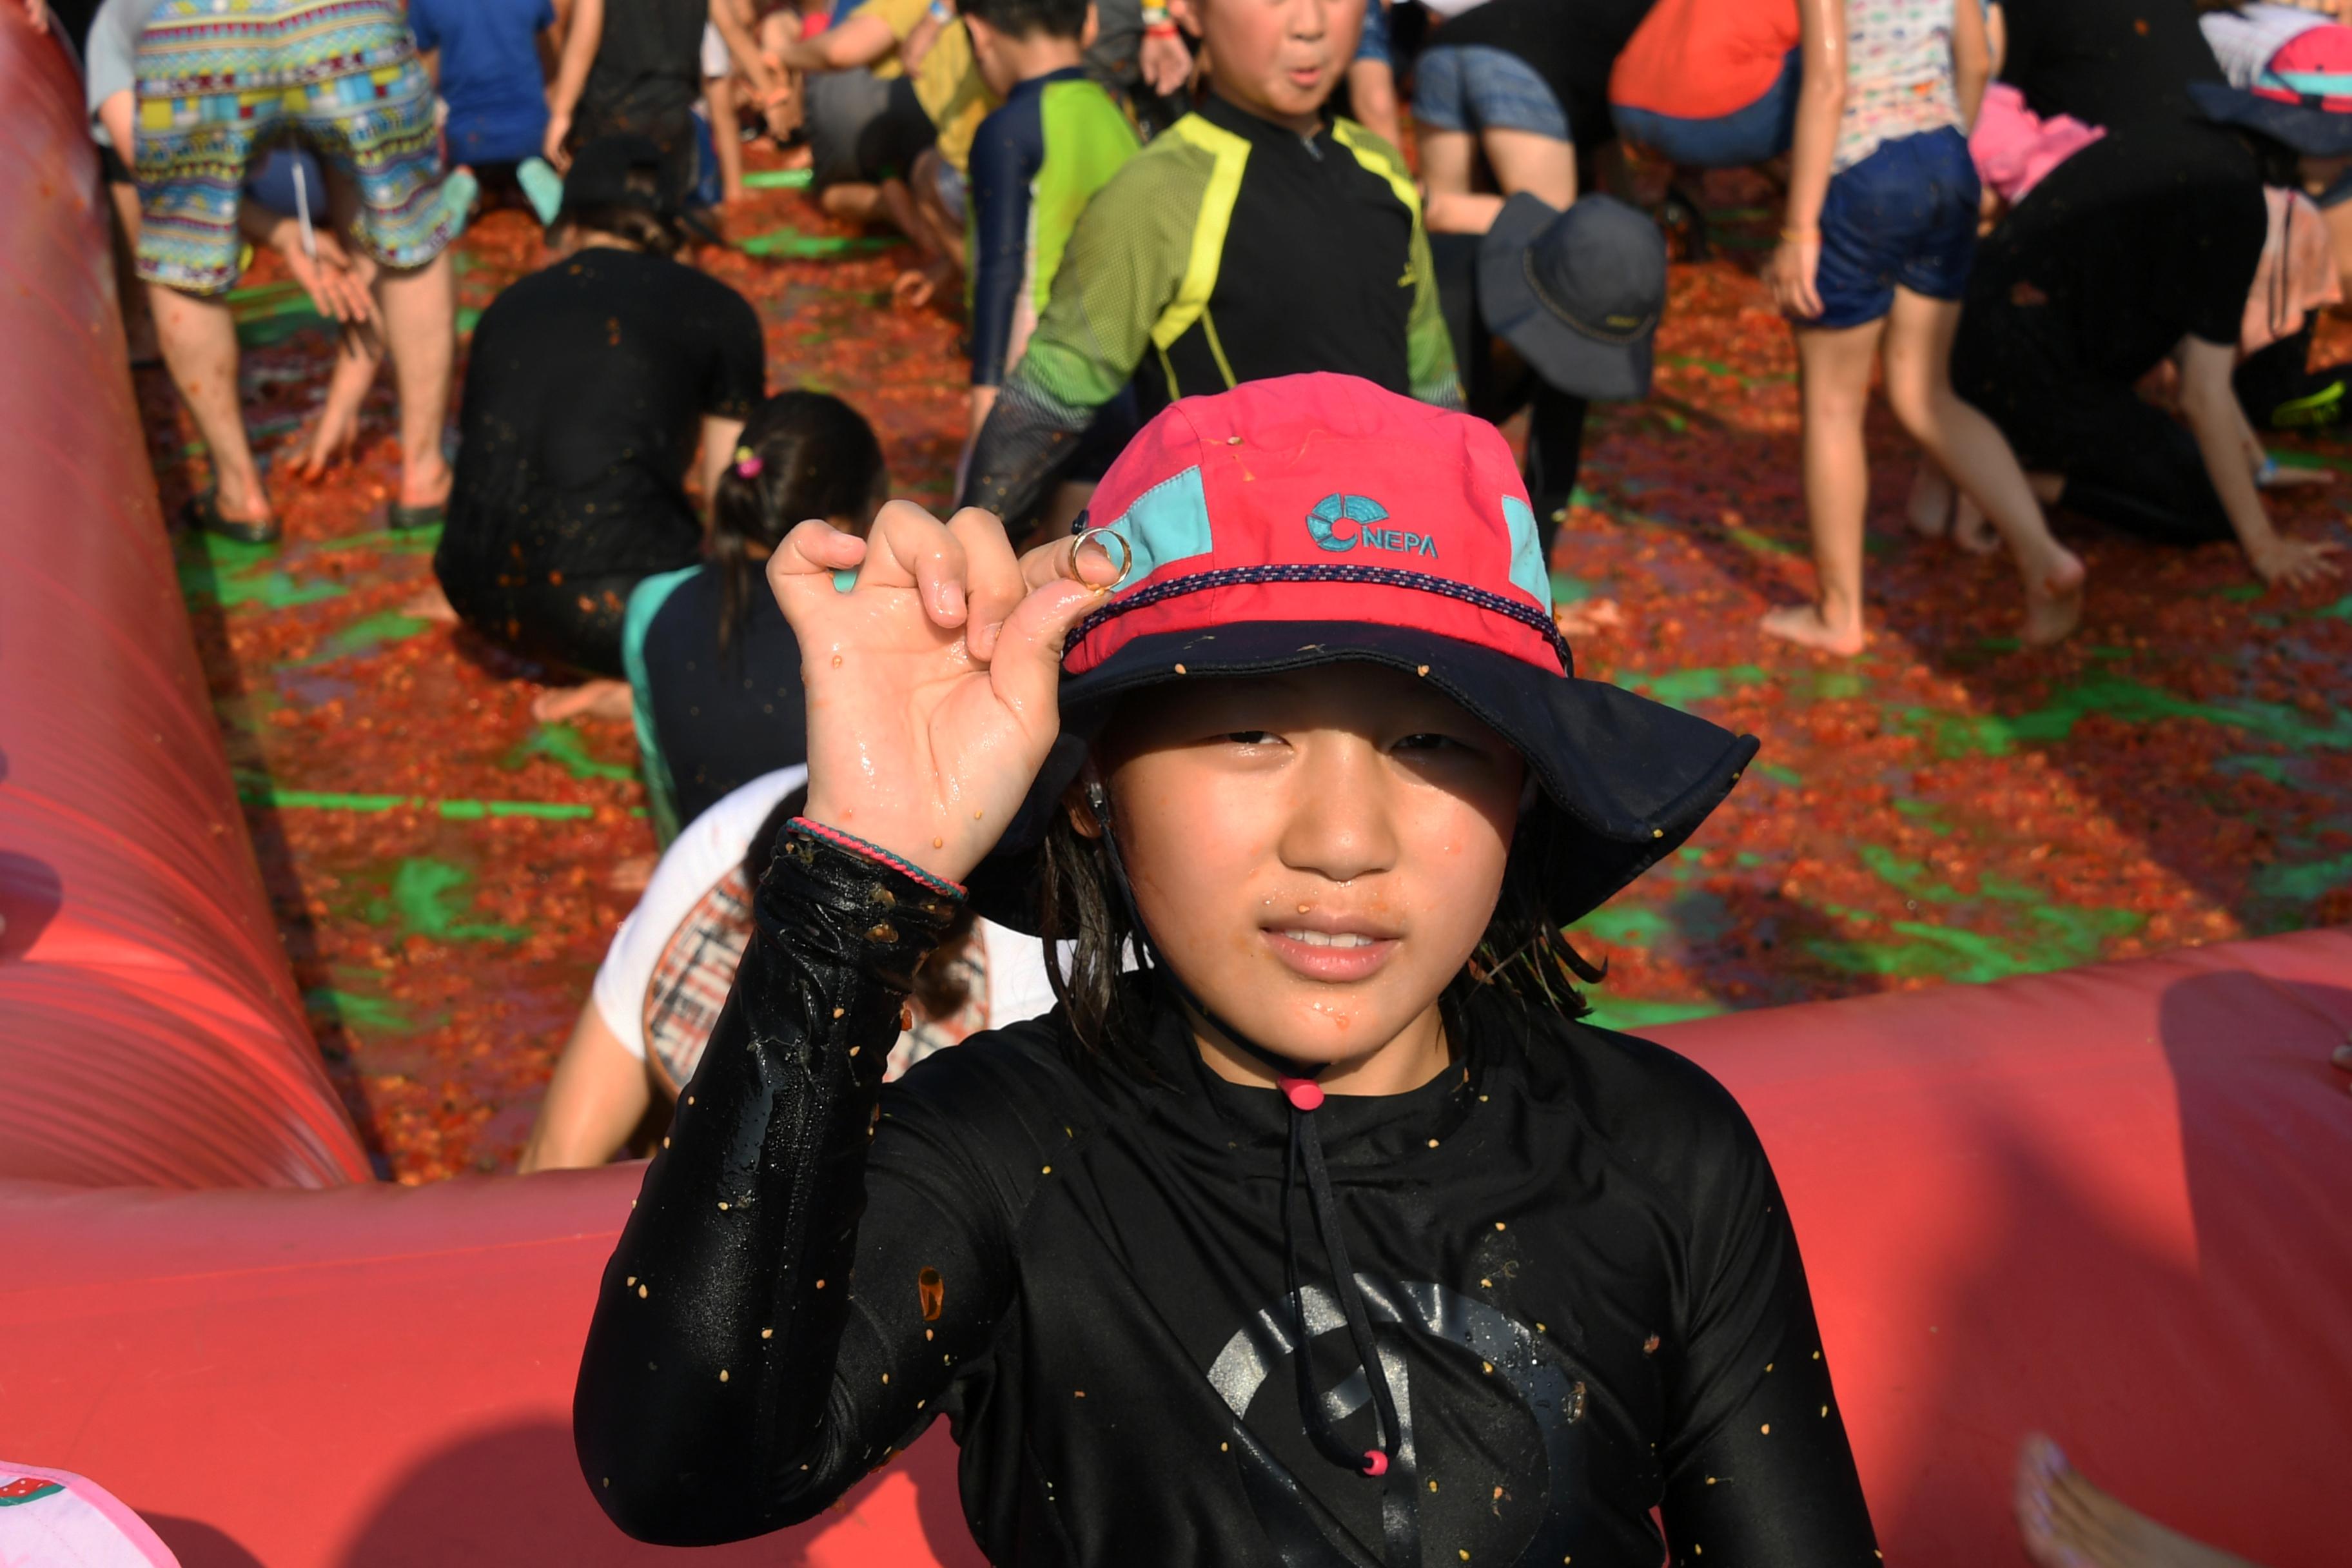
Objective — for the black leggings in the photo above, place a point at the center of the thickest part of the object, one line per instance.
(2127, 463)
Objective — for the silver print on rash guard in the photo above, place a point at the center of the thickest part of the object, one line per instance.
(1531, 1367)
(1083, 1272)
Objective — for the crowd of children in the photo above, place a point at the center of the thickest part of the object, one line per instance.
(2079, 245)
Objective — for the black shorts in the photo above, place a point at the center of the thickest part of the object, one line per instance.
(891, 144)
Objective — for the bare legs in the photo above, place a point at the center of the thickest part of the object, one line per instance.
(1971, 449)
(2065, 1521)
(1833, 386)
(199, 340)
(420, 324)
(1542, 166)
(1834, 365)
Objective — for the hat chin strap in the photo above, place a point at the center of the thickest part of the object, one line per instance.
(1399, 1502)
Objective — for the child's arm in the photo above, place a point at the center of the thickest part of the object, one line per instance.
(735, 29)
(1971, 58)
(2210, 404)
(580, 38)
(1820, 104)
(1005, 157)
(864, 39)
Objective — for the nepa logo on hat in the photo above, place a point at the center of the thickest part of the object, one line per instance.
(1324, 526)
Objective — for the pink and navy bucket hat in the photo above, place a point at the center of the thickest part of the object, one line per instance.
(1310, 520)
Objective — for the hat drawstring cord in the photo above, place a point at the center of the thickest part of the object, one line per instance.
(1400, 1504)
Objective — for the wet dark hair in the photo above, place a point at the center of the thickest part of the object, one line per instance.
(812, 456)
(1029, 18)
(1525, 955)
(939, 984)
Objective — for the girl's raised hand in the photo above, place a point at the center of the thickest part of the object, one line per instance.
(931, 681)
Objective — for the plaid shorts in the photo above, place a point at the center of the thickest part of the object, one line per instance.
(219, 79)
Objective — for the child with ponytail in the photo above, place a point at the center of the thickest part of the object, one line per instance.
(714, 672)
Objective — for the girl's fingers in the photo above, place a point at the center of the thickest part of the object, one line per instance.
(814, 549)
(993, 580)
(1026, 669)
(909, 548)
(1093, 563)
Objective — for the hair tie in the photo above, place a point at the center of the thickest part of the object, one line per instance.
(747, 463)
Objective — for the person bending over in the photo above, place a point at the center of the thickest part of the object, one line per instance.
(1490, 85)
(589, 386)
(1328, 1219)
(1253, 238)
(2139, 248)
(714, 672)
(1035, 163)
(924, 93)
(1548, 310)
(1881, 228)
(341, 76)
(659, 990)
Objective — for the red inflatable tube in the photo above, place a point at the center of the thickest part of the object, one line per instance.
(2108, 1204)
(151, 1033)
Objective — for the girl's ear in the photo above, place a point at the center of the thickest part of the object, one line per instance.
(1078, 803)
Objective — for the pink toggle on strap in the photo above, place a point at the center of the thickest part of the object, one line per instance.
(1375, 1462)
(1304, 1094)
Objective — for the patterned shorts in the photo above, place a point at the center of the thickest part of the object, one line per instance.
(219, 79)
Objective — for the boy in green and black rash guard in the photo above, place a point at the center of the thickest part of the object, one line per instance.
(1036, 163)
(1254, 238)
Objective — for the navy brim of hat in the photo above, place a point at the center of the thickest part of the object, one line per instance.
(1571, 360)
(2314, 132)
(1634, 777)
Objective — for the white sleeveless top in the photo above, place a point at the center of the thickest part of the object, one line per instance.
(1899, 74)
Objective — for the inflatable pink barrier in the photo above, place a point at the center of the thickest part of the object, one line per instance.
(2107, 1203)
(152, 1033)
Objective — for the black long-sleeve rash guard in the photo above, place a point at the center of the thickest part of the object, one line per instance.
(1587, 1296)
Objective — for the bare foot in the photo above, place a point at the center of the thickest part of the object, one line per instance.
(432, 604)
(589, 699)
(2065, 1521)
(1972, 530)
(1933, 494)
(916, 284)
(1587, 617)
(2054, 596)
(630, 873)
(1802, 624)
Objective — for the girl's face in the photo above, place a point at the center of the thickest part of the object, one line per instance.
(1280, 59)
(1316, 854)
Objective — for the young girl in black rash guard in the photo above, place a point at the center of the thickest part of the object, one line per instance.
(714, 673)
(1322, 1234)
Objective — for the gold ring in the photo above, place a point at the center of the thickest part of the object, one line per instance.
(1126, 552)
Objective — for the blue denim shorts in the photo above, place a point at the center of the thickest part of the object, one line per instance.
(1905, 216)
(1473, 86)
(1762, 130)
(1372, 43)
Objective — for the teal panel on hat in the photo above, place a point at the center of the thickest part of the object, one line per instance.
(1169, 521)
(1526, 551)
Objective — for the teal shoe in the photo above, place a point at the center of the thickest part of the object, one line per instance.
(458, 193)
(543, 186)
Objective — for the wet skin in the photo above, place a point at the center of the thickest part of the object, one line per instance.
(1317, 855)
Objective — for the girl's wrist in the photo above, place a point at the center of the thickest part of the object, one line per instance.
(880, 854)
